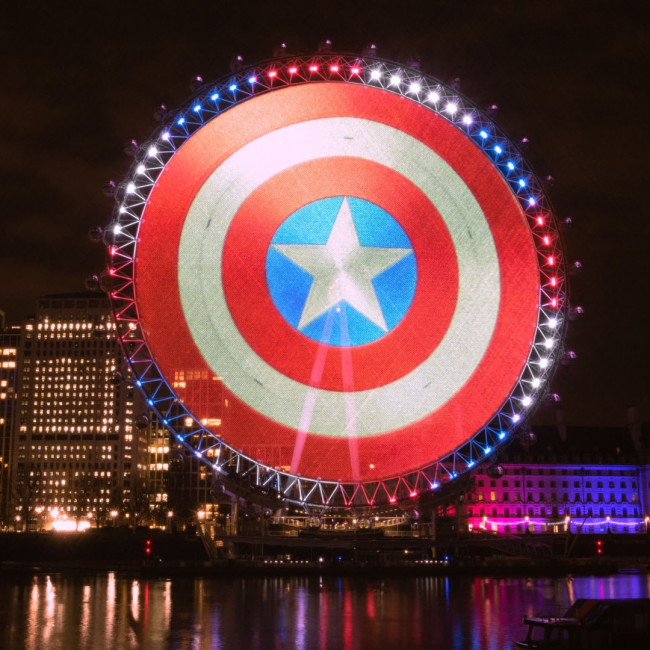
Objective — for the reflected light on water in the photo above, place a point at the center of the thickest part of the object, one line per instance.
(348, 621)
(84, 623)
(370, 604)
(167, 603)
(110, 607)
(324, 612)
(301, 614)
(34, 614)
(135, 597)
(62, 612)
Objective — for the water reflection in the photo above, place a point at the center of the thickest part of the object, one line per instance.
(107, 611)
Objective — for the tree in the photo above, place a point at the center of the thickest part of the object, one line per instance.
(87, 492)
(25, 494)
(137, 504)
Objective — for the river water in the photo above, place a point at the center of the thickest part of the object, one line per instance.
(62, 611)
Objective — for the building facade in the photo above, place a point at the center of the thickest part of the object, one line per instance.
(9, 344)
(588, 480)
(77, 452)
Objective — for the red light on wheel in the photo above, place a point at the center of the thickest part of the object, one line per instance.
(334, 68)
(293, 69)
(313, 68)
(273, 73)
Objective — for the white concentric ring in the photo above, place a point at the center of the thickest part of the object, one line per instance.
(425, 389)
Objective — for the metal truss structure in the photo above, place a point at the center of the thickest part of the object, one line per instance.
(213, 99)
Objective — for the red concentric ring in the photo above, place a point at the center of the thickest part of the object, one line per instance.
(393, 452)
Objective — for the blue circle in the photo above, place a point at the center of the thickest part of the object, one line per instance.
(341, 324)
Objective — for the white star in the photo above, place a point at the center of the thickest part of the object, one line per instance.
(342, 270)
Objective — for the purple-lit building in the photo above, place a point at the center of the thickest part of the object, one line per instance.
(588, 480)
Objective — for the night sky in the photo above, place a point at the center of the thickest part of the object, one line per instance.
(79, 80)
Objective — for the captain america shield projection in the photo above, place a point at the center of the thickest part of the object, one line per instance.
(334, 276)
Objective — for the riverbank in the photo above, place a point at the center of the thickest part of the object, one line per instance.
(157, 553)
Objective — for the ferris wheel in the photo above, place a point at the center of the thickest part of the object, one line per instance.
(336, 279)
